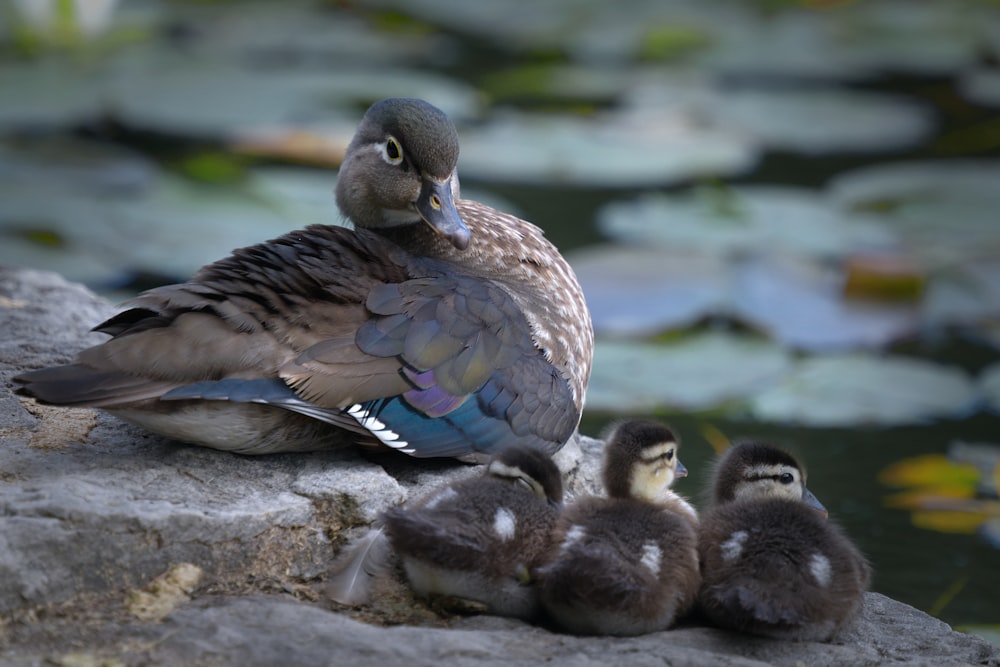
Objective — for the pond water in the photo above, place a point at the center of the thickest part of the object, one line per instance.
(728, 141)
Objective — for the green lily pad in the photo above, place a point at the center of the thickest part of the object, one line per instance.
(616, 150)
(801, 304)
(989, 383)
(180, 226)
(55, 194)
(698, 373)
(49, 95)
(744, 219)
(981, 86)
(642, 291)
(825, 121)
(310, 35)
(944, 213)
(967, 295)
(207, 98)
(852, 390)
(851, 41)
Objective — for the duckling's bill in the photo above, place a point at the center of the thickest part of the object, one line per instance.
(436, 206)
(812, 501)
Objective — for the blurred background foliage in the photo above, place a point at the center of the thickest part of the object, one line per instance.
(784, 212)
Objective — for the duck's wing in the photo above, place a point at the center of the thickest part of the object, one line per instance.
(340, 326)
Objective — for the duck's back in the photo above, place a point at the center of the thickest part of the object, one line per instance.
(621, 567)
(430, 350)
(778, 568)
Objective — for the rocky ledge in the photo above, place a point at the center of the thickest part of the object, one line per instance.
(118, 547)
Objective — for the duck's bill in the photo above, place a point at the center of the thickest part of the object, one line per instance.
(437, 207)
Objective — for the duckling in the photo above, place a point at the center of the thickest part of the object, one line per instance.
(436, 326)
(626, 564)
(771, 562)
(480, 538)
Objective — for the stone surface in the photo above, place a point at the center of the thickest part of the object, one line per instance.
(96, 516)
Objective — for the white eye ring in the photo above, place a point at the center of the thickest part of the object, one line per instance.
(392, 151)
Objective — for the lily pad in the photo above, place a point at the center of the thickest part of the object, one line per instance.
(181, 226)
(210, 98)
(308, 35)
(616, 150)
(824, 121)
(643, 291)
(989, 383)
(802, 304)
(943, 212)
(981, 86)
(49, 95)
(852, 390)
(698, 373)
(744, 219)
(851, 41)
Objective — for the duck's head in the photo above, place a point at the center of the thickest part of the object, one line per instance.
(529, 467)
(399, 169)
(757, 471)
(640, 461)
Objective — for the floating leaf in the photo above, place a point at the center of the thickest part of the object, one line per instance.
(643, 291)
(671, 41)
(212, 168)
(802, 304)
(989, 383)
(744, 219)
(850, 390)
(930, 470)
(605, 150)
(697, 373)
(943, 213)
(942, 521)
(912, 500)
(49, 95)
(886, 277)
(312, 146)
(981, 86)
(826, 121)
(857, 41)
(985, 458)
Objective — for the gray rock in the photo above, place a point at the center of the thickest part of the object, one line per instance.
(94, 511)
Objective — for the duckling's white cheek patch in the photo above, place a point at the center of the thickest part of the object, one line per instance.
(504, 524)
(819, 567)
(573, 535)
(446, 494)
(733, 547)
(651, 557)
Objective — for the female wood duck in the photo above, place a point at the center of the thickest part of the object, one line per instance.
(626, 564)
(772, 564)
(479, 539)
(437, 326)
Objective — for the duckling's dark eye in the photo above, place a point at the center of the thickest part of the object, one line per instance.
(669, 455)
(786, 478)
(393, 151)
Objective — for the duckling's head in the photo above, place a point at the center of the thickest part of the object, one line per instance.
(757, 471)
(399, 169)
(531, 468)
(640, 460)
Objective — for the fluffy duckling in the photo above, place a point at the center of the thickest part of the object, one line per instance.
(435, 325)
(771, 563)
(626, 564)
(480, 538)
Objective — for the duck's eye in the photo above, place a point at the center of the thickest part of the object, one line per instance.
(393, 151)
(786, 478)
(669, 455)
